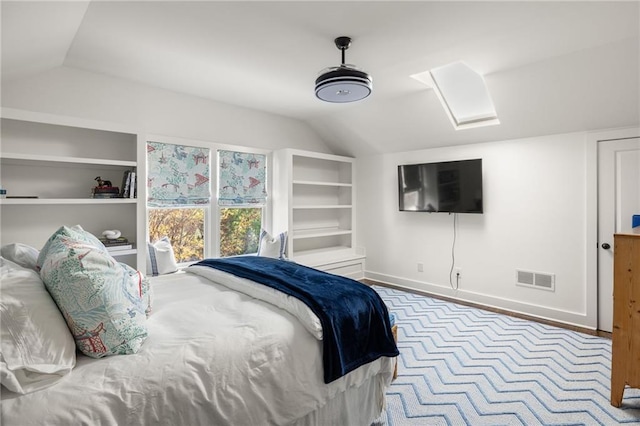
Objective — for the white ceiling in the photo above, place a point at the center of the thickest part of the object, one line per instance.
(266, 55)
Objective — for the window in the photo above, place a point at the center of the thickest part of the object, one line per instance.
(239, 230)
(185, 229)
(463, 94)
(241, 199)
(179, 199)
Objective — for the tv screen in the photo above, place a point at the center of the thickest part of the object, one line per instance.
(449, 186)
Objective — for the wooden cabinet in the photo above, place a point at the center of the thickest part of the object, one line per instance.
(55, 160)
(314, 203)
(625, 360)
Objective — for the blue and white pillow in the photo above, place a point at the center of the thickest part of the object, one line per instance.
(160, 258)
(272, 246)
(76, 233)
(98, 297)
(144, 287)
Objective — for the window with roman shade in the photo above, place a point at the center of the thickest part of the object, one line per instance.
(178, 175)
(242, 178)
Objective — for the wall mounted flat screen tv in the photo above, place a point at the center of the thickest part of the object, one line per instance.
(449, 186)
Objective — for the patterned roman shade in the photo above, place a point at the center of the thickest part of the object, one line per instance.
(178, 175)
(242, 178)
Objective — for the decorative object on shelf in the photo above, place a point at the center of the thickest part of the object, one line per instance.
(102, 183)
(345, 83)
(111, 234)
(635, 220)
(3, 193)
(105, 189)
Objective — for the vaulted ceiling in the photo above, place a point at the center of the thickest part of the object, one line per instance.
(551, 66)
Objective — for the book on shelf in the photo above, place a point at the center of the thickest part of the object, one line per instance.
(105, 192)
(126, 184)
(114, 242)
(132, 188)
(106, 195)
(123, 247)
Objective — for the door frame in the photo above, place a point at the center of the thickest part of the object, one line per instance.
(591, 245)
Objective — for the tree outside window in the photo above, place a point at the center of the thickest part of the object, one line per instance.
(185, 229)
(239, 230)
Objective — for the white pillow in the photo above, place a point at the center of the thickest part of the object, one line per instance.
(272, 246)
(22, 254)
(36, 347)
(160, 258)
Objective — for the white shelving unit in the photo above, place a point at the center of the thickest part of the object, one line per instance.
(313, 202)
(56, 159)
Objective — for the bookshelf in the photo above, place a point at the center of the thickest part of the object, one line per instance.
(314, 198)
(56, 160)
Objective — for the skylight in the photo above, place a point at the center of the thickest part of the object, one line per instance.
(462, 93)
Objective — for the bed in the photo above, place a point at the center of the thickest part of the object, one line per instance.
(213, 355)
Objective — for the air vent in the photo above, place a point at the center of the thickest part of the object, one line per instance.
(539, 280)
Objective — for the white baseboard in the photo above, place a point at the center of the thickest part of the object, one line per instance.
(570, 318)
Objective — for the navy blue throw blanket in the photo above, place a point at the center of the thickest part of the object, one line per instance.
(355, 322)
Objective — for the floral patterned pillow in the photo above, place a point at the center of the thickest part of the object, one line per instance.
(75, 232)
(97, 296)
(144, 286)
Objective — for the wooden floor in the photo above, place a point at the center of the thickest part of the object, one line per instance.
(492, 309)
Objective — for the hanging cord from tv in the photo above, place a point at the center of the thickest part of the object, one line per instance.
(453, 255)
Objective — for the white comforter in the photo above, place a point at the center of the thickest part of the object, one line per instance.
(213, 357)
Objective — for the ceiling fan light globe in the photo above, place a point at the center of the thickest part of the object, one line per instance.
(343, 84)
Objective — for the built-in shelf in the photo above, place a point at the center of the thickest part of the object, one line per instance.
(315, 233)
(314, 195)
(327, 255)
(317, 183)
(332, 206)
(14, 158)
(66, 201)
(120, 253)
(58, 159)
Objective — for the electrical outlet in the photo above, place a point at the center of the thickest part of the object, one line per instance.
(420, 267)
(458, 272)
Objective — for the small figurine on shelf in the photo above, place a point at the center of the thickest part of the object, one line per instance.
(104, 189)
(102, 183)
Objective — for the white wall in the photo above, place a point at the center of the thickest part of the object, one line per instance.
(75, 93)
(534, 219)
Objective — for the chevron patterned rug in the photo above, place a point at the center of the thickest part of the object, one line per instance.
(460, 365)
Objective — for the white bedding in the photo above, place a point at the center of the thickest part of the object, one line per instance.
(295, 307)
(213, 357)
